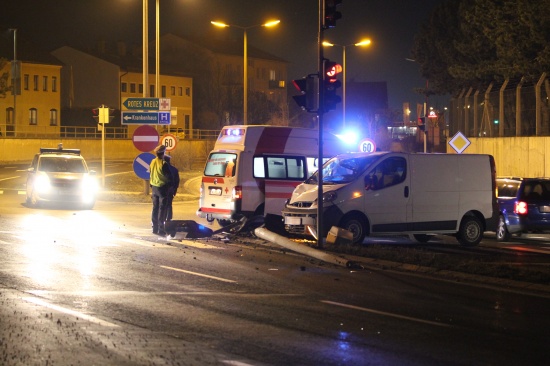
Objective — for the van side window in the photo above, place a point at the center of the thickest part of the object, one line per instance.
(388, 173)
(280, 167)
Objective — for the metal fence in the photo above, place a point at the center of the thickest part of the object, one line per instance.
(512, 108)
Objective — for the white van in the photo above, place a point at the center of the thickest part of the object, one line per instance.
(254, 169)
(390, 193)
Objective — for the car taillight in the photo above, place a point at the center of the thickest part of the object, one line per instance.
(520, 208)
(237, 192)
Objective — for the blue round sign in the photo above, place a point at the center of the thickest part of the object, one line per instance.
(141, 165)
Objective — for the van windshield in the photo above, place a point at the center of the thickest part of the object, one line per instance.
(221, 165)
(343, 170)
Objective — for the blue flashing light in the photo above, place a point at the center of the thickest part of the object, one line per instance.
(349, 137)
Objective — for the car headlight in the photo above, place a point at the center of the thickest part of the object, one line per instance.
(42, 183)
(89, 184)
(329, 196)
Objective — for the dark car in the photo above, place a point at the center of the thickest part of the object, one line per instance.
(61, 176)
(524, 206)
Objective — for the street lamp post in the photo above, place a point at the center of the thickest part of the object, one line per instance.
(15, 76)
(245, 58)
(364, 42)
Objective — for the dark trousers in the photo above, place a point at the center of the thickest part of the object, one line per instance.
(160, 207)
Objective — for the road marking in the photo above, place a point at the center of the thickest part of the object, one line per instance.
(3, 179)
(199, 274)
(385, 313)
(525, 249)
(92, 319)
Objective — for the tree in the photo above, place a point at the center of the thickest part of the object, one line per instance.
(472, 42)
(4, 76)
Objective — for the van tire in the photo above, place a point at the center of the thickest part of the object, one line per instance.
(470, 232)
(224, 223)
(357, 225)
(502, 231)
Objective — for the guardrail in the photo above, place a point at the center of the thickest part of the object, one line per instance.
(10, 131)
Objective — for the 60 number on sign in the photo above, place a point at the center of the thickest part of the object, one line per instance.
(169, 141)
(367, 145)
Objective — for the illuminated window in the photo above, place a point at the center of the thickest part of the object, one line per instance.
(33, 116)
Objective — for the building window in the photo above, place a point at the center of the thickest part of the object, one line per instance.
(35, 79)
(26, 81)
(186, 121)
(9, 116)
(132, 87)
(172, 90)
(44, 83)
(163, 88)
(33, 116)
(53, 117)
(188, 91)
(124, 87)
(54, 83)
(140, 89)
(272, 75)
(180, 91)
(151, 90)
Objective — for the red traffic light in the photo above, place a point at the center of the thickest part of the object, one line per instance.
(331, 70)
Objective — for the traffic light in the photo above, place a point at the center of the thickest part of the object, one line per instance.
(330, 14)
(103, 114)
(422, 123)
(331, 84)
(308, 87)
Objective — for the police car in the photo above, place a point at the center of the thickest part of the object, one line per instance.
(62, 176)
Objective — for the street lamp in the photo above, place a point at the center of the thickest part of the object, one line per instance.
(364, 42)
(16, 76)
(245, 58)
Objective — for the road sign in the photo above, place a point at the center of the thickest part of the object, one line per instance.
(170, 141)
(141, 165)
(146, 104)
(459, 142)
(145, 118)
(145, 138)
(367, 145)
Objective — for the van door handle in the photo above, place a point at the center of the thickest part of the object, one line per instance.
(406, 192)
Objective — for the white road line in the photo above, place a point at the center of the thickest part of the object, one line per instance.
(3, 179)
(92, 319)
(386, 314)
(199, 274)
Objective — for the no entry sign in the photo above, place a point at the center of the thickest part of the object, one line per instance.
(145, 138)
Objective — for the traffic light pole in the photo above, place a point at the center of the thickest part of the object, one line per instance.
(320, 113)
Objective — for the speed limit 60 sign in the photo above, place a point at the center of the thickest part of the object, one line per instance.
(169, 141)
(367, 145)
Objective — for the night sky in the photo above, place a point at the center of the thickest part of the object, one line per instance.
(390, 24)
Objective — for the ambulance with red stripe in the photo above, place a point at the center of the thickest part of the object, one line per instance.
(253, 169)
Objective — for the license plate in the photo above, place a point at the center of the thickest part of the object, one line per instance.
(544, 208)
(216, 191)
(293, 220)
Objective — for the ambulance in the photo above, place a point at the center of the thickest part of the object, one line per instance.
(253, 170)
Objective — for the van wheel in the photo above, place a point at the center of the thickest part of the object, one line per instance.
(502, 231)
(470, 232)
(357, 225)
(422, 238)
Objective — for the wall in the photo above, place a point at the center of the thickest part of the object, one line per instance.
(192, 153)
(514, 156)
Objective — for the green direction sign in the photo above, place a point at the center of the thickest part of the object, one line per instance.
(146, 104)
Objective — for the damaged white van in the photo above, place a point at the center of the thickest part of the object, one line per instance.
(391, 193)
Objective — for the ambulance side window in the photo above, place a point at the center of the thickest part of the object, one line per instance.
(280, 167)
